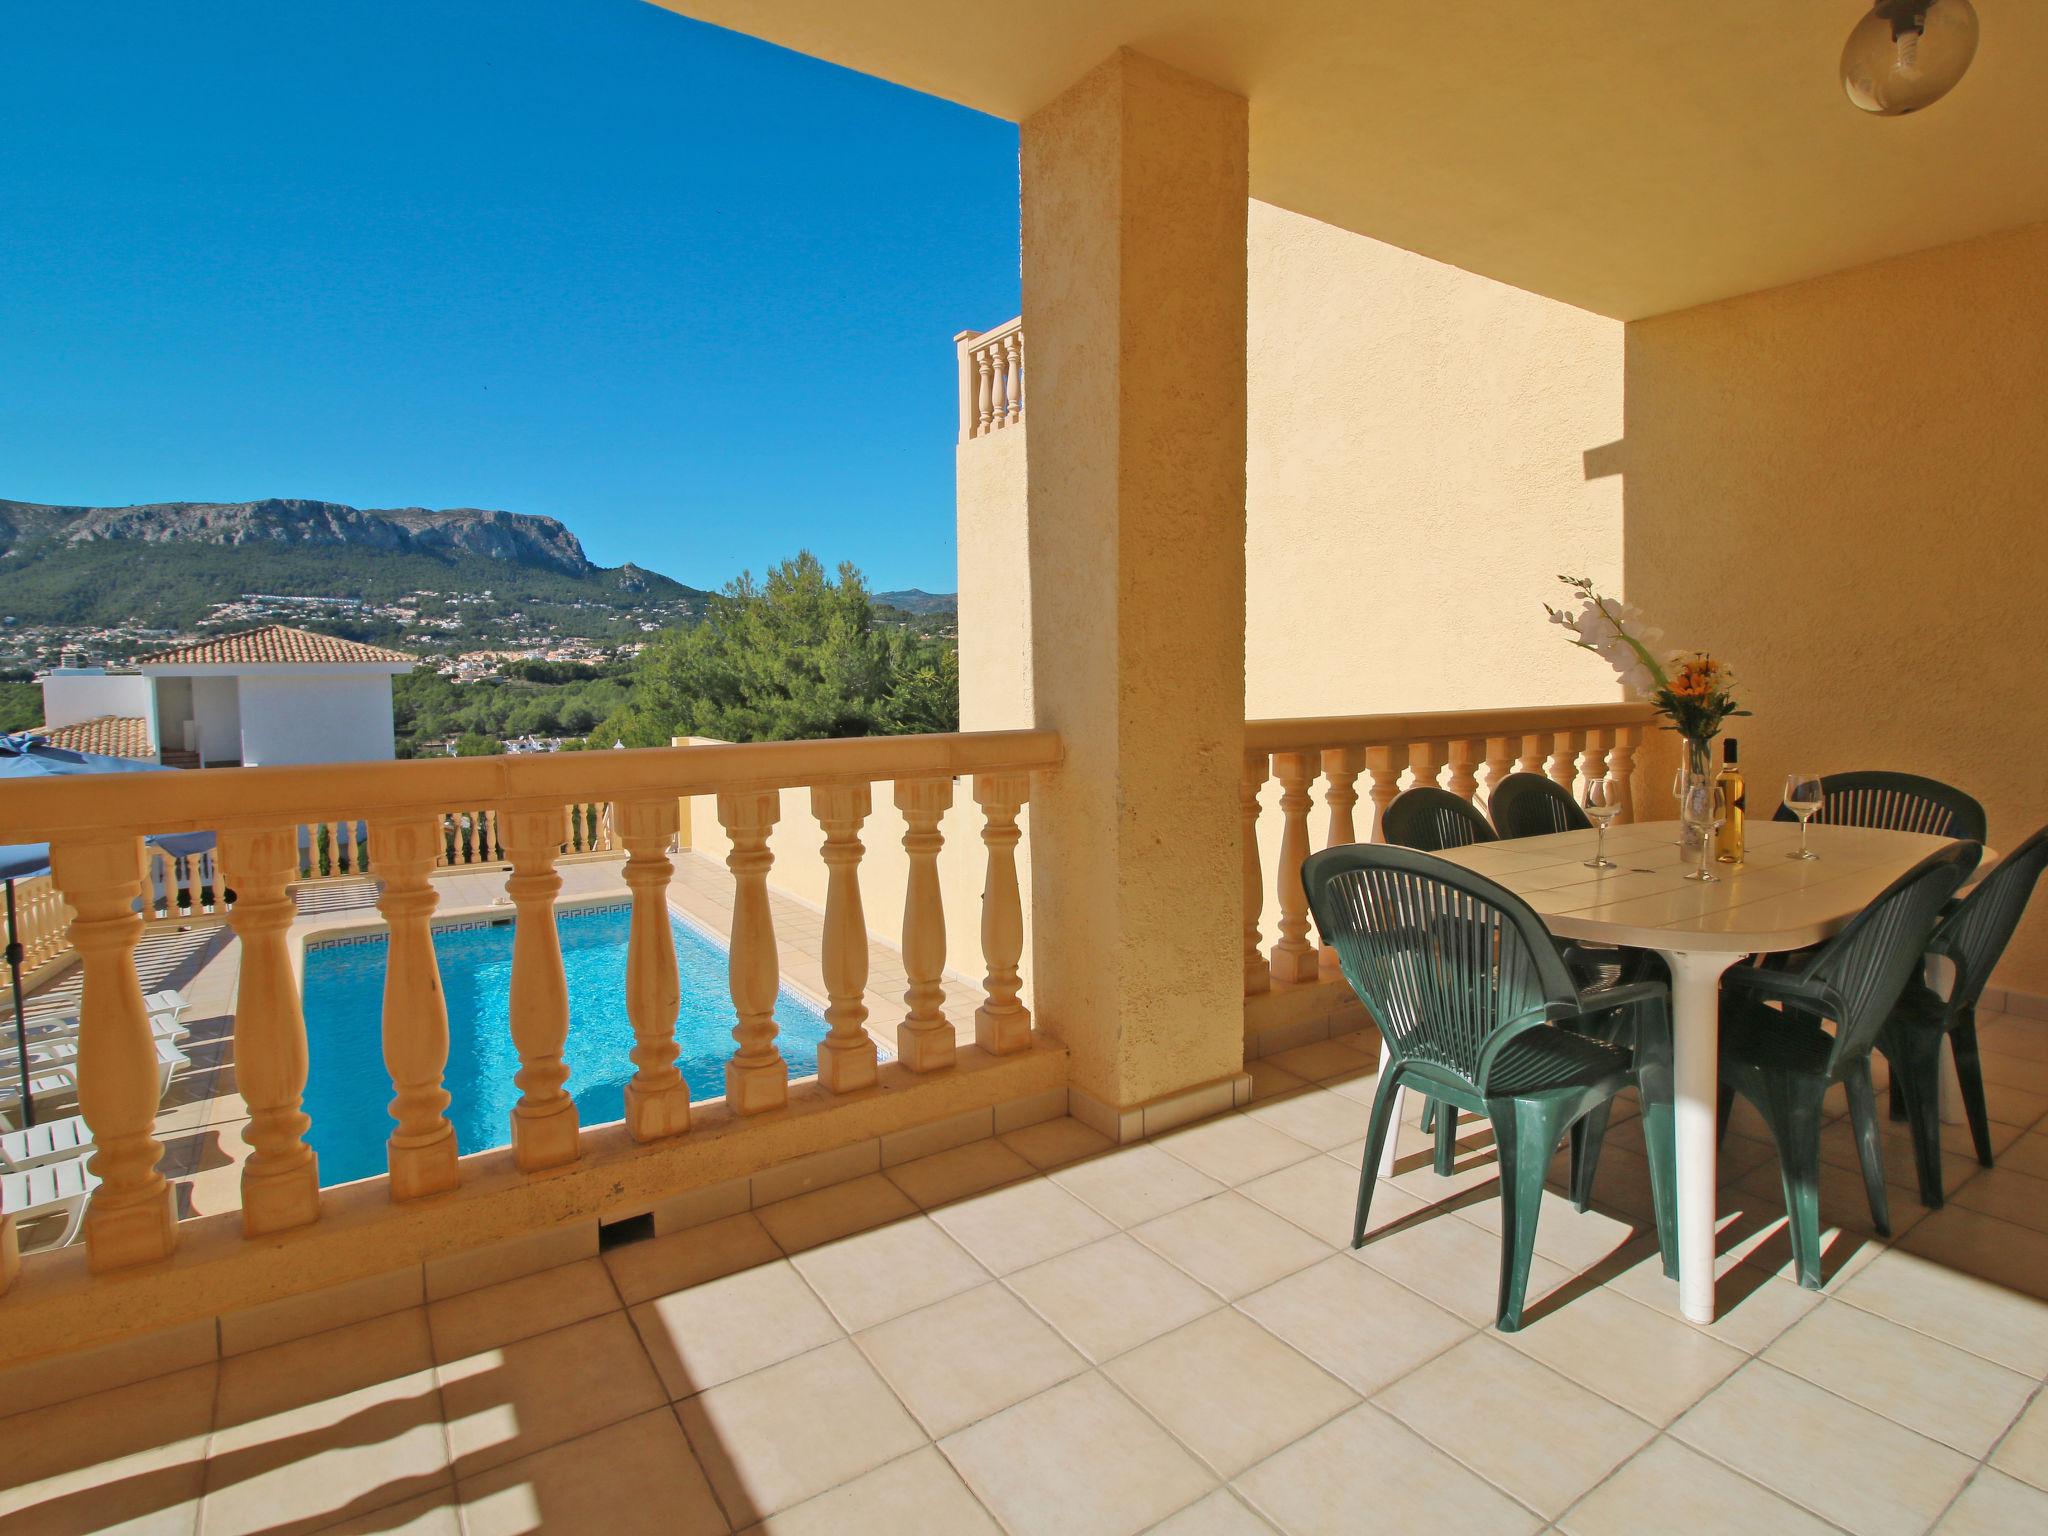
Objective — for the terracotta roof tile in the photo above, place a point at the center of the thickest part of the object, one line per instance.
(271, 644)
(108, 736)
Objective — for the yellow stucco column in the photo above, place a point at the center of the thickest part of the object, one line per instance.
(1134, 202)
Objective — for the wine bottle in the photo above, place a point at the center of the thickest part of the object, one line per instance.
(1728, 841)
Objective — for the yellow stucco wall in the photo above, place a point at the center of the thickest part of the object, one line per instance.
(1842, 485)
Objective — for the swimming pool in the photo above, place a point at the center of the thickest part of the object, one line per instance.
(347, 1088)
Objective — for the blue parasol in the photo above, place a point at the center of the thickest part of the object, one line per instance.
(24, 757)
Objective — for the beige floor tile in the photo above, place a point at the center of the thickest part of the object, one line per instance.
(1995, 1505)
(1752, 1305)
(1135, 1184)
(1671, 1487)
(839, 1210)
(727, 1327)
(1055, 1143)
(1229, 1390)
(1649, 1362)
(967, 1357)
(1320, 1195)
(1355, 1322)
(788, 1433)
(269, 1381)
(438, 1513)
(506, 1403)
(1231, 1244)
(1079, 1460)
(959, 1172)
(1539, 1437)
(873, 1276)
(2007, 1193)
(1843, 1462)
(1368, 1461)
(1577, 1240)
(134, 1453)
(657, 1265)
(2014, 1106)
(1844, 1202)
(1945, 1393)
(2013, 1256)
(1112, 1295)
(517, 1309)
(1838, 1148)
(1322, 1060)
(2028, 1154)
(1234, 1147)
(1272, 1082)
(334, 1457)
(916, 1493)
(1454, 1264)
(631, 1477)
(1321, 1119)
(1222, 1513)
(1020, 1225)
(1956, 1307)
(2014, 1069)
(2024, 1451)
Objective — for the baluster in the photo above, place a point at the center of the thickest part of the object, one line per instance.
(846, 1056)
(1383, 785)
(924, 1040)
(1341, 767)
(1002, 1024)
(1500, 762)
(1464, 782)
(1564, 759)
(1535, 752)
(657, 1097)
(757, 1078)
(131, 1219)
(985, 367)
(1595, 760)
(443, 838)
(10, 1252)
(281, 1179)
(1621, 768)
(1425, 765)
(544, 1120)
(422, 1150)
(1258, 976)
(1293, 957)
(1013, 378)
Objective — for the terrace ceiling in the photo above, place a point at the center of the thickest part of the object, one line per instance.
(1627, 156)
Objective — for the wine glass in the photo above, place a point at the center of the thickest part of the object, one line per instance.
(1681, 780)
(1802, 799)
(1706, 807)
(1601, 799)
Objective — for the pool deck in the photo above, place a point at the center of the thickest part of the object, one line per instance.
(201, 1121)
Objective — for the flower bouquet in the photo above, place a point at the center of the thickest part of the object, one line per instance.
(1690, 689)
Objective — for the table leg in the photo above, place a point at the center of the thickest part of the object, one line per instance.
(1696, 1077)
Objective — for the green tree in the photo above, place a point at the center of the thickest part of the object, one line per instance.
(477, 744)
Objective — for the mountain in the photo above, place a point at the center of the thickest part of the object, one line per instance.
(168, 563)
(915, 600)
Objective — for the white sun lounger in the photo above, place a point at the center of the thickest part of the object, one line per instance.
(53, 1187)
(47, 1141)
(48, 1087)
(65, 1026)
(61, 1057)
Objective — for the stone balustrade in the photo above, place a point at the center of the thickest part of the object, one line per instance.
(469, 839)
(991, 379)
(96, 829)
(1464, 751)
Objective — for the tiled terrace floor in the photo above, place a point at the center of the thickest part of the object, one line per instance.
(1041, 1334)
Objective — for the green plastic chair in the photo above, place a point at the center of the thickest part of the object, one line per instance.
(1529, 805)
(1470, 995)
(1896, 802)
(1783, 1060)
(1972, 937)
(1430, 819)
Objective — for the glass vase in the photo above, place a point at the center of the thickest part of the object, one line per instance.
(1698, 768)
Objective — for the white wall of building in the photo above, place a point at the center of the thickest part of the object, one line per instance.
(69, 697)
(217, 709)
(303, 716)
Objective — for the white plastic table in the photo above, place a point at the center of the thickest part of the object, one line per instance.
(1768, 903)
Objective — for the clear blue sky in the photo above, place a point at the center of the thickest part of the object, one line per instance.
(684, 291)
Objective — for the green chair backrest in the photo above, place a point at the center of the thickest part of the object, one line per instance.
(1897, 802)
(1428, 819)
(1856, 977)
(1975, 933)
(1529, 805)
(1450, 965)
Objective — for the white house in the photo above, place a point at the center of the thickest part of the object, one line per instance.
(260, 696)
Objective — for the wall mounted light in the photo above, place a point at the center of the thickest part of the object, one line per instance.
(1908, 54)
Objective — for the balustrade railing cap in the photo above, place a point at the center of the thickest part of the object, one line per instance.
(1313, 732)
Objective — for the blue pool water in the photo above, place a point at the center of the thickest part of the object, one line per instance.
(347, 1088)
